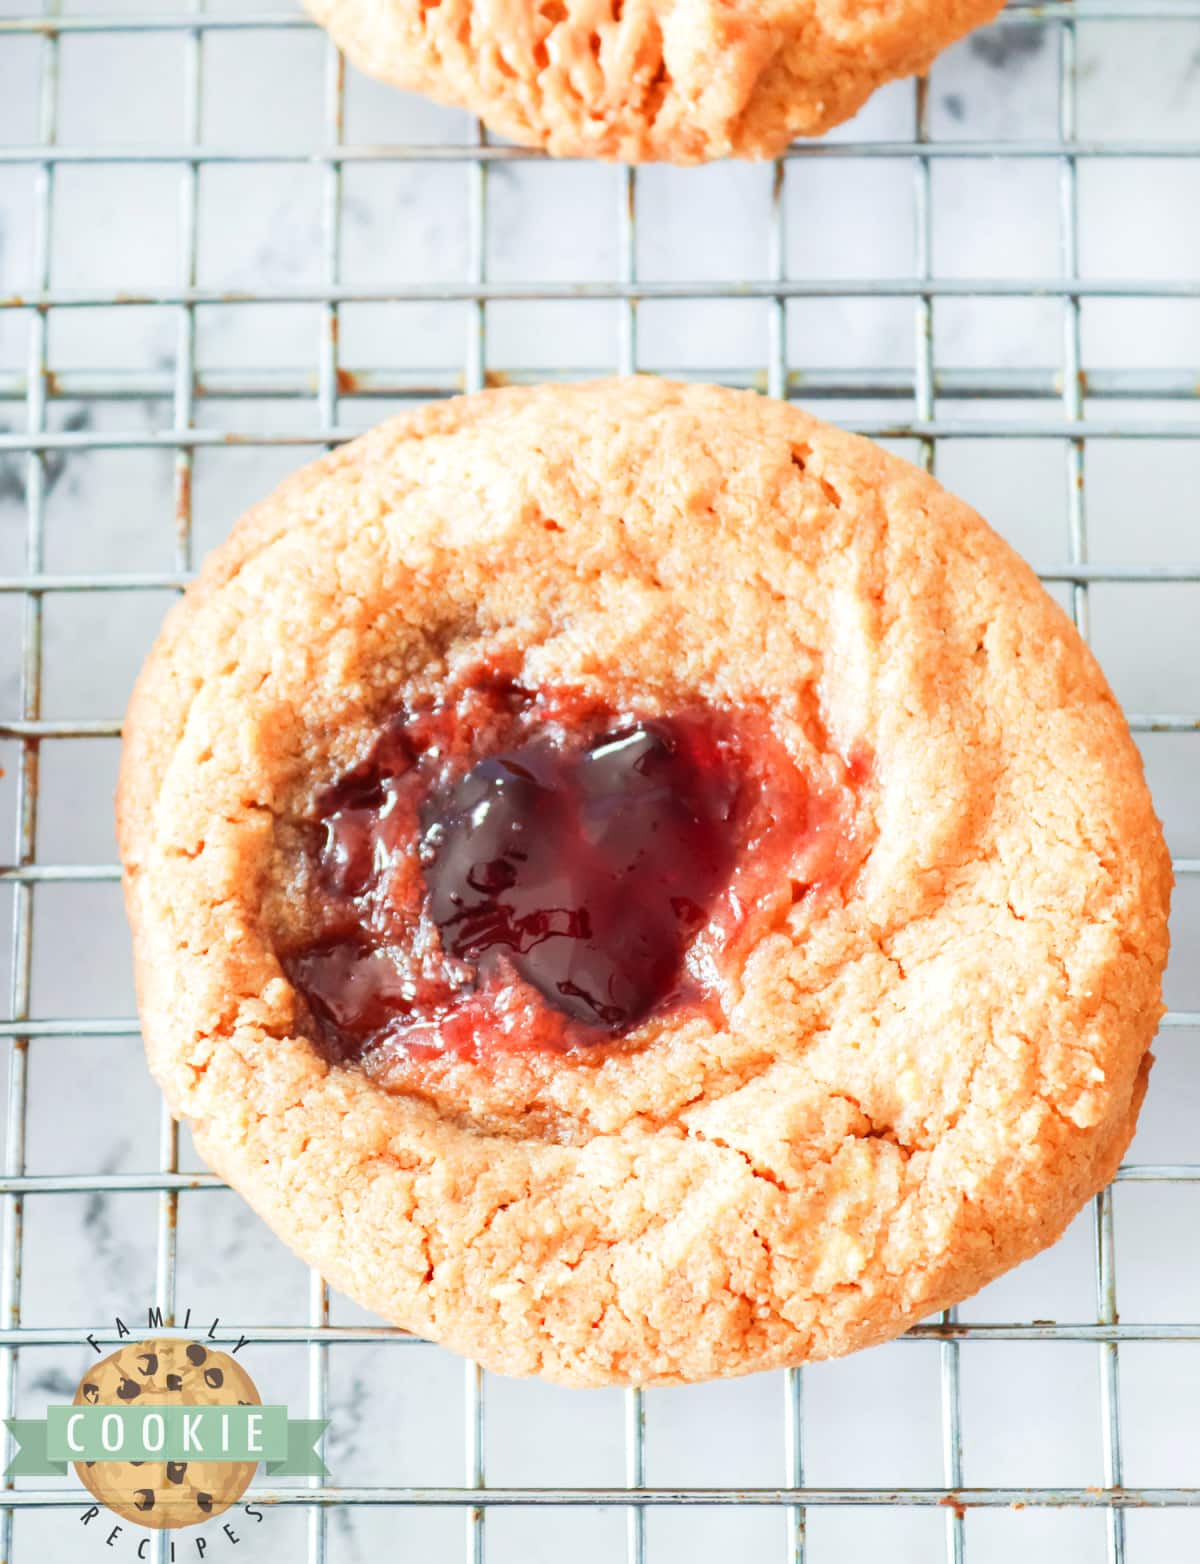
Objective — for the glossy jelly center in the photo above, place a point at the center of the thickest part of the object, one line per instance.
(590, 872)
(512, 869)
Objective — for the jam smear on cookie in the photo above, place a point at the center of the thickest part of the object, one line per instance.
(589, 871)
(513, 869)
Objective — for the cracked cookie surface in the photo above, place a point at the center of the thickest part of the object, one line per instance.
(682, 81)
(913, 1079)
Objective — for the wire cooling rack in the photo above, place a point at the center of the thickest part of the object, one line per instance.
(1083, 438)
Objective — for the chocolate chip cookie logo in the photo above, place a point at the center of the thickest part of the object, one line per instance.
(162, 1373)
(167, 1433)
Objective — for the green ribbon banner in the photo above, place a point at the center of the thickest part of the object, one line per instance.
(166, 1433)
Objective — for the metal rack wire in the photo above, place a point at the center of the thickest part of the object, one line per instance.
(1066, 415)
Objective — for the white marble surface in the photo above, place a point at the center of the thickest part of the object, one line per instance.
(1030, 1413)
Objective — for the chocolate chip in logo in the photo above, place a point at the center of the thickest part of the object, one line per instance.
(148, 1364)
(144, 1499)
(91, 1394)
(174, 1381)
(195, 1352)
(213, 1378)
(204, 1500)
(175, 1471)
(137, 1463)
(127, 1390)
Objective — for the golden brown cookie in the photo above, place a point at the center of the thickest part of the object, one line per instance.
(637, 884)
(163, 1372)
(680, 82)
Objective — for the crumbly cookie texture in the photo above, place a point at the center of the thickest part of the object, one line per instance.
(681, 81)
(917, 1081)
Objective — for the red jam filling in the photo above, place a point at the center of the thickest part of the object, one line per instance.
(514, 869)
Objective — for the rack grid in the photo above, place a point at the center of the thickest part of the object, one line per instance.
(1074, 405)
